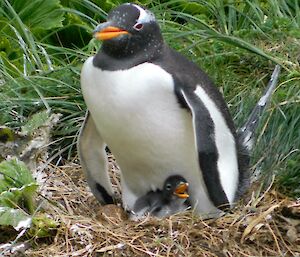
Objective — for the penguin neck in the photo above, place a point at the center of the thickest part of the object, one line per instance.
(167, 197)
(112, 59)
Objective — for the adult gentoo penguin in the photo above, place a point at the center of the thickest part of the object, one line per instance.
(158, 113)
(171, 199)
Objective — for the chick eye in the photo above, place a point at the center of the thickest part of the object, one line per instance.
(138, 26)
(168, 187)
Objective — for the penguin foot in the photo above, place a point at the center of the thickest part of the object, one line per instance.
(101, 194)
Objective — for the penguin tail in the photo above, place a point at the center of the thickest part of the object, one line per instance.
(247, 131)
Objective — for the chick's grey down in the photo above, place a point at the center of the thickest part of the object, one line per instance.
(162, 203)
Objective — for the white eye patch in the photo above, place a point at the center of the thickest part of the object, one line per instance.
(145, 15)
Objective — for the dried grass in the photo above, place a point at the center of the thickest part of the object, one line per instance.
(268, 225)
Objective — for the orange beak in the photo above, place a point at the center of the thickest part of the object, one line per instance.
(181, 190)
(108, 32)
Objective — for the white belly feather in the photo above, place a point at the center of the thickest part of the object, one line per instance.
(151, 136)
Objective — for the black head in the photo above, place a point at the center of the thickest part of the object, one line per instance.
(130, 30)
(175, 187)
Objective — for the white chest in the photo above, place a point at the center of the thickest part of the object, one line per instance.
(140, 100)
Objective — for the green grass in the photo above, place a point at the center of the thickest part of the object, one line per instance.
(236, 43)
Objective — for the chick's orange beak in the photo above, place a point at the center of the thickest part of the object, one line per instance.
(181, 190)
(108, 32)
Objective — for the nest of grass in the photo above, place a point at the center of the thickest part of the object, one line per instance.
(266, 225)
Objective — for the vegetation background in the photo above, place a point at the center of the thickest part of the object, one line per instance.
(43, 45)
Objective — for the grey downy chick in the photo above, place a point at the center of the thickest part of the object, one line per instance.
(171, 199)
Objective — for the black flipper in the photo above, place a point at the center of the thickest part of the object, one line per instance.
(207, 150)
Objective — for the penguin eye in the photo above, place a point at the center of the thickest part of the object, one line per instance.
(138, 26)
(168, 187)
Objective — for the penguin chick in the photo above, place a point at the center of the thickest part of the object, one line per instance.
(173, 198)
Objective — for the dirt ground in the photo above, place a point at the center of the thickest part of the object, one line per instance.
(264, 224)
